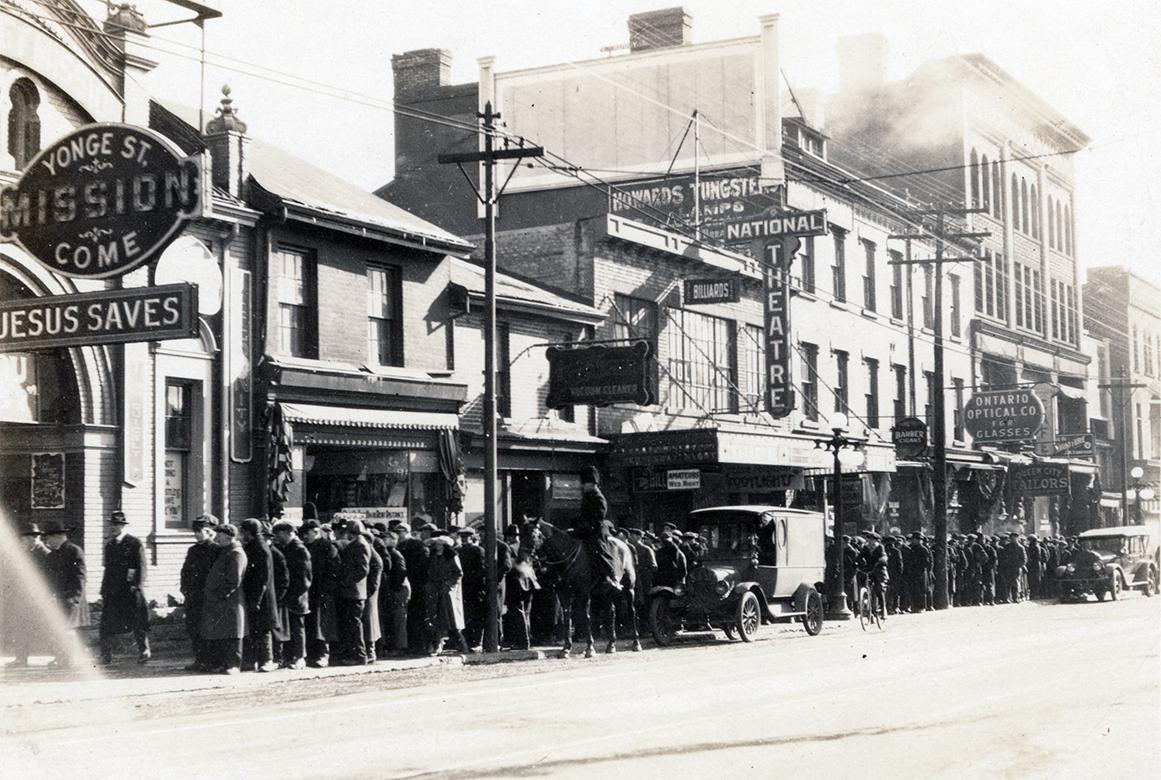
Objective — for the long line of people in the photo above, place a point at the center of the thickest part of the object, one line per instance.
(982, 569)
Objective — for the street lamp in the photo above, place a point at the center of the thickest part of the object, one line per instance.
(839, 443)
(1140, 493)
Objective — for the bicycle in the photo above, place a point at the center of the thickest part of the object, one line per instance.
(872, 608)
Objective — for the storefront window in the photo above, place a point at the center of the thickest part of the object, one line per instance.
(382, 484)
(178, 435)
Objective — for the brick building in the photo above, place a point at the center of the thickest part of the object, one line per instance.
(1123, 313)
(625, 245)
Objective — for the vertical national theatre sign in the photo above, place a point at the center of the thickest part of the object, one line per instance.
(779, 389)
(102, 201)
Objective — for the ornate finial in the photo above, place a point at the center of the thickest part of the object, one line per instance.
(226, 119)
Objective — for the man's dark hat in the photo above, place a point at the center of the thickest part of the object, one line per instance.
(201, 522)
(429, 527)
(32, 529)
(916, 535)
(227, 529)
(870, 534)
(589, 474)
(310, 523)
(669, 527)
(512, 530)
(117, 517)
(55, 527)
(282, 525)
(466, 531)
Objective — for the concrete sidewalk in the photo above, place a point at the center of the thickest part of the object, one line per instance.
(39, 684)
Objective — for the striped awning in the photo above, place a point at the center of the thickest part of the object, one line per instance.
(350, 417)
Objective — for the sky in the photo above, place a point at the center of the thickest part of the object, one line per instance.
(1097, 63)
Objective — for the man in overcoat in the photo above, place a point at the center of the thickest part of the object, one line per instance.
(295, 603)
(372, 631)
(324, 582)
(354, 566)
(224, 603)
(65, 570)
(261, 598)
(593, 530)
(398, 595)
(198, 560)
(19, 613)
(646, 565)
(474, 587)
(123, 605)
(415, 553)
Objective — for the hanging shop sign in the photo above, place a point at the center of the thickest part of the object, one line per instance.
(779, 389)
(1040, 479)
(601, 374)
(763, 479)
(721, 197)
(106, 317)
(1003, 416)
(667, 448)
(695, 291)
(909, 437)
(1076, 445)
(776, 226)
(102, 201)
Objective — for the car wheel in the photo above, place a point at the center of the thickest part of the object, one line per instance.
(812, 620)
(749, 617)
(729, 629)
(1100, 594)
(661, 621)
(1150, 583)
(1115, 586)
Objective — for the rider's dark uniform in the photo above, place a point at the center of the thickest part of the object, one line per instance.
(872, 561)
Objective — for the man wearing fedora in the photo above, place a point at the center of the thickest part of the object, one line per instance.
(124, 608)
(65, 571)
(19, 611)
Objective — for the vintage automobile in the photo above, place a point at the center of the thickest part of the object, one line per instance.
(763, 564)
(1111, 560)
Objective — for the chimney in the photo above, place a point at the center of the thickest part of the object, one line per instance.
(225, 137)
(660, 29)
(862, 62)
(420, 71)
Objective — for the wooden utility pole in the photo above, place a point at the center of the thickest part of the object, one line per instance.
(488, 195)
(938, 423)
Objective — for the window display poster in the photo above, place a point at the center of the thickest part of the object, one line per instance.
(174, 488)
(48, 480)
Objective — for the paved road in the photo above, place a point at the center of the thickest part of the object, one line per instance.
(1034, 690)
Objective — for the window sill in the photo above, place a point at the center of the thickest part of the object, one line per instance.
(870, 314)
(807, 295)
(897, 321)
(840, 305)
(810, 425)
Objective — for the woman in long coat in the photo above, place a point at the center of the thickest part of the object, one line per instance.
(445, 601)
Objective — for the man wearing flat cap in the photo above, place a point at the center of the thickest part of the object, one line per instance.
(320, 620)
(593, 530)
(261, 598)
(198, 560)
(224, 604)
(295, 603)
(123, 605)
(354, 566)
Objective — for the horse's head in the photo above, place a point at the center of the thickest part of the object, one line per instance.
(531, 534)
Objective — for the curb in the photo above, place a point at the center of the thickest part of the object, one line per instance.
(508, 656)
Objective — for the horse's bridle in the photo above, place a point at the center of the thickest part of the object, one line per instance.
(567, 560)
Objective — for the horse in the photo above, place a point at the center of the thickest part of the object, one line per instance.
(566, 559)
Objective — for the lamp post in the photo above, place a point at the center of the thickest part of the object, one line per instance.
(1140, 493)
(838, 443)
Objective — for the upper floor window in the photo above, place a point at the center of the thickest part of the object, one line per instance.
(1051, 223)
(869, 275)
(974, 171)
(841, 381)
(928, 297)
(636, 318)
(955, 311)
(806, 264)
(297, 306)
(896, 284)
(1016, 223)
(702, 365)
(900, 402)
(809, 354)
(839, 267)
(1035, 212)
(23, 122)
(751, 367)
(997, 190)
(985, 183)
(384, 328)
(872, 394)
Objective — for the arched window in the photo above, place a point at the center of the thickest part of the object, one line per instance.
(1035, 213)
(1060, 226)
(997, 190)
(985, 183)
(1051, 223)
(23, 123)
(974, 179)
(1015, 202)
(1025, 215)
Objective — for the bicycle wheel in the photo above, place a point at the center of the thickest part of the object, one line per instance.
(864, 605)
(878, 610)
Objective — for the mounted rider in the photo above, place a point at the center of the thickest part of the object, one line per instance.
(593, 530)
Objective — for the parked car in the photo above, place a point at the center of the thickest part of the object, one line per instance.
(1110, 561)
(762, 564)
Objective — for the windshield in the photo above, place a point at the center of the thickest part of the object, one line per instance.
(1104, 544)
(726, 534)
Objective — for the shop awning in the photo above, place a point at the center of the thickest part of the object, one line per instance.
(350, 417)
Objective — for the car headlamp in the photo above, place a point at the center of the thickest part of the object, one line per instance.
(1096, 566)
(722, 588)
(679, 590)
